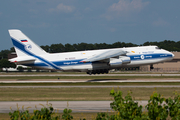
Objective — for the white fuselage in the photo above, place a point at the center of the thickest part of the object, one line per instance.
(71, 61)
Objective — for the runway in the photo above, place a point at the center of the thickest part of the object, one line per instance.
(97, 86)
(76, 106)
(135, 74)
(29, 80)
(86, 80)
(71, 80)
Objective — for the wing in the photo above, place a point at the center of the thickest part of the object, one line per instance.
(105, 55)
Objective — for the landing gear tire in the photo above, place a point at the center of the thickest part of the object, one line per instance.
(106, 71)
(98, 71)
(89, 72)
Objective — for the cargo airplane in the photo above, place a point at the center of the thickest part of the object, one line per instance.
(90, 61)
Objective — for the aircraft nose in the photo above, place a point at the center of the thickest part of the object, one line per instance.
(172, 55)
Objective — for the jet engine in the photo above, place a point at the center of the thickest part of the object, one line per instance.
(116, 62)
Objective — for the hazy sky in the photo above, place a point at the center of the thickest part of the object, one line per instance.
(49, 22)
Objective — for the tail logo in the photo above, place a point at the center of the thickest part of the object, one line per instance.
(28, 47)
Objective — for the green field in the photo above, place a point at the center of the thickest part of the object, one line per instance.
(73, 94)
(25, 94)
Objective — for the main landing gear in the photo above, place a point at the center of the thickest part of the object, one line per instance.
(98, 72)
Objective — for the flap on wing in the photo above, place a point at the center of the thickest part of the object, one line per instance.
(105, 55)
(22, 60)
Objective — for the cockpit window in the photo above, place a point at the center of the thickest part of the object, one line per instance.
(157, 48)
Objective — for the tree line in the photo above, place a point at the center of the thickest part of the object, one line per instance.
(55, 48)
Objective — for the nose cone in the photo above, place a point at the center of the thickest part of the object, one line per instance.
(166, 55)
(171, 56)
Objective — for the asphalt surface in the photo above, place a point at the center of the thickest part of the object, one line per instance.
(76, 106)
(97, 86)
(90, 75)
(83, 80)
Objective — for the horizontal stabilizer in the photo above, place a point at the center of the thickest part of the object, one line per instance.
(22, 60)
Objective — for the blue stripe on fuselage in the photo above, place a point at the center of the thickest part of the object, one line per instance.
(149, 56)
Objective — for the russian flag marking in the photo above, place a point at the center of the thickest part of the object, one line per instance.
(24, 41)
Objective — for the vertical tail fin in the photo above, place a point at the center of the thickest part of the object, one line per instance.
(23, 45)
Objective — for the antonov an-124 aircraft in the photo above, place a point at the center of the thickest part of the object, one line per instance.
(90, 61)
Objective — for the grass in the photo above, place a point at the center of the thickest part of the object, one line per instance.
(4, 116)
(76, 94)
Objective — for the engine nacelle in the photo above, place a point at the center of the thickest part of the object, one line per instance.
(125, 60)
(114, 62)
